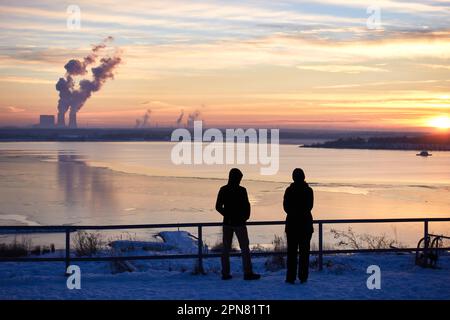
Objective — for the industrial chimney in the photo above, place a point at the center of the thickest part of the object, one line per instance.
(72, 119)
(61, 120)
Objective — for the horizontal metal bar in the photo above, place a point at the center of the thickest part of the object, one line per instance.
(32, 259)
(57, 229)
(338, 251)
(209, 255)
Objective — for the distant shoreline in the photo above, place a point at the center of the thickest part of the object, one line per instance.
(309, 138)
(436, 142)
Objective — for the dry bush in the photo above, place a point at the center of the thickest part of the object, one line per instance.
(352, 240)
(87, 243)
(16, 248)
(277, 262)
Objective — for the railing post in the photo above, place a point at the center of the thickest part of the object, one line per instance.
(425, 244)
(67, 259)
(320, 247)
(200, 250)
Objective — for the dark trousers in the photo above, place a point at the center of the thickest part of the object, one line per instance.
(242, 235)
(298, 244)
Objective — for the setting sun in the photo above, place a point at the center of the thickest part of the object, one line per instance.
(442, 122)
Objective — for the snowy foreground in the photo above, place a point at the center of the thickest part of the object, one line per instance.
(343, 277)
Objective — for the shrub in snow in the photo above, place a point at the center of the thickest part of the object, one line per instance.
(87, 243)
(16, 248)
(275, 263)
(349, 239)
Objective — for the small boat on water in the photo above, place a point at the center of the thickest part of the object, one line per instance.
(424, 153)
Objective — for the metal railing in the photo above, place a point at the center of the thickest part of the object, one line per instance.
(201, 254)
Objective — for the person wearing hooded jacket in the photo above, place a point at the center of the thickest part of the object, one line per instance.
(232, 203)
(298, 203)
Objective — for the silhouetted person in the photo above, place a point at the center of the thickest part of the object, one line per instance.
(232, 203)
(298, 203)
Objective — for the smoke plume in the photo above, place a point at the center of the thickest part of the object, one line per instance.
(72, 96)
(145, 121)
(192, 117)
(180, 118)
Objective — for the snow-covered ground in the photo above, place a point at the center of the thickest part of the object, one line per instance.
(344, 277)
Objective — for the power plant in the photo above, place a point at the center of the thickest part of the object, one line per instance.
(46, 121)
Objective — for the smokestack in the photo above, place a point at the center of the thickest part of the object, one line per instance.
(72, 119)
(146, 118)
(64, 86)
(61, 121)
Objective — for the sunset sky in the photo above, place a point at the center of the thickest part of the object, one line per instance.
(299, 64)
